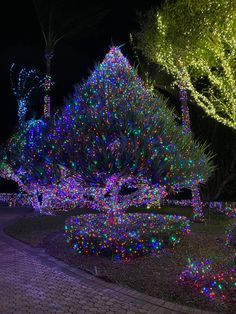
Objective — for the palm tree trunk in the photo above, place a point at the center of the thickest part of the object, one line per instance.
(47, 83)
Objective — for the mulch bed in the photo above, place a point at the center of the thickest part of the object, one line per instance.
(155, 276)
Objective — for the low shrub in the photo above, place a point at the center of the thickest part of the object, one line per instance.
(126, 236)
(216, 282)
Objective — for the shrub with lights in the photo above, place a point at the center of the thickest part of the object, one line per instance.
(218, 283)
(136, 235)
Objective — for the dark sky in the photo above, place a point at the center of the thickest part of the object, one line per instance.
(22, 43)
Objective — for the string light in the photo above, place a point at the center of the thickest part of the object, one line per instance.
(124, 237)
(23, 87)
(47, 98)
(198, 214)
(216, 283)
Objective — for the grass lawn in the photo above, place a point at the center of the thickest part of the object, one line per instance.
(34, 228)
(156, 276)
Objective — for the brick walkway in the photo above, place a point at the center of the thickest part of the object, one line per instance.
(33, 282)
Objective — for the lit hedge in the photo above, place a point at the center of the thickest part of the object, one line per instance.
(129, 235)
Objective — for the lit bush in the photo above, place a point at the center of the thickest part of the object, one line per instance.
(126, 236)
(216, 282)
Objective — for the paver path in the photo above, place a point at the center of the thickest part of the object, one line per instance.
(33, 282)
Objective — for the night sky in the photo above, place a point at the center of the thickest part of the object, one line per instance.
(22, 43)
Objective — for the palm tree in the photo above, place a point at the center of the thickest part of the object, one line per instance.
(59, 19)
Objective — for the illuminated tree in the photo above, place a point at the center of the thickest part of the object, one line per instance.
(114, 144)
(23, 86)
(116, 134)
(30, 168)
(194, 41)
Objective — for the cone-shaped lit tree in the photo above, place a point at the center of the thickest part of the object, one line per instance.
(115, 133)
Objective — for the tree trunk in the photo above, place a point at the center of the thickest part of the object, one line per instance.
(196, 200)
(185, 117)
(22, 110)
(35, 202)
(47, 83)
(198, 215)
(183, 97)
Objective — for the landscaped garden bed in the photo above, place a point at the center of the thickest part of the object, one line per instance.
(154, 275)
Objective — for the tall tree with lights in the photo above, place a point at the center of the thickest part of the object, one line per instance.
(114, 144)
(195, 42)
(118, 136)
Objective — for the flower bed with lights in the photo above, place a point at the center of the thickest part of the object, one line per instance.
(125, 236)
(218, 283)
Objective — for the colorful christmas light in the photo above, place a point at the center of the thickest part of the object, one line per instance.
(183, 97)
(216, 283)
(27, 82)
(47, 97)
(197, 204)
(124, 237)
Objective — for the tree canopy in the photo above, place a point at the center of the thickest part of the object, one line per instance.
(195, 42)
